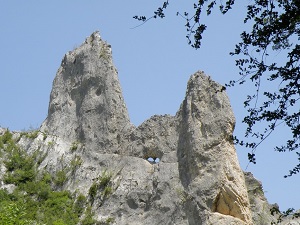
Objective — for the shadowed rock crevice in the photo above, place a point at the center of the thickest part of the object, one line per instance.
(228, 203)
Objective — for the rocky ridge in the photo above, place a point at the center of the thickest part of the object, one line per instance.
(88, 121)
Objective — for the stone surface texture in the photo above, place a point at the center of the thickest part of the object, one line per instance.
(259, 205)
(261, 208)
(198, 180)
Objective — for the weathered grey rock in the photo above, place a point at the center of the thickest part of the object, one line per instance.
(86, 103)
(197, 180)
(259, 205)
(207, 161)
(261, 208)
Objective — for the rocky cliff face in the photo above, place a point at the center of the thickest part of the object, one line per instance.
(197, 180)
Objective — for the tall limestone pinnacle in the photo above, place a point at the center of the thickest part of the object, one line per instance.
(198, 180)
(206, 155)
(86, 103)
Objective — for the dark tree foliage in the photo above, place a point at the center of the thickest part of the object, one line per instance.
(275, 28)
(290, 213)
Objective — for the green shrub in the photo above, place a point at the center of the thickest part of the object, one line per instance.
(93, 191)
(18, 160)
(4, 195)
(80, 204)
(34, 201)
(110, 220)
(39, 189)
(44, 190)
(50, 143)
(6, 137)
(32, 134)
(59, 222)
(19, 176)
(10, 146)
(6, 140)
(60, 178)
(103, 184)
(88, 219)
(44, 136)
(107, 191)
(20, 166)
(74, 146)
(12, 213)
(76, 163)
(46, 177)
(105, 178)
(59, 208)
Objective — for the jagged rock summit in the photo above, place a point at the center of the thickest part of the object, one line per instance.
(86, 103)
(197, 180)
(88, 136)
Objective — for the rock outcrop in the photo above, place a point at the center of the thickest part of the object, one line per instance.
(190, 184)
(259, 204)
(86, 103)
(197, 180)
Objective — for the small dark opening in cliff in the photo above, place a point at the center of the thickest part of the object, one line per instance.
(153, 160)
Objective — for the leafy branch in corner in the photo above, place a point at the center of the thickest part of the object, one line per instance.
(194, 27)
(159, 13)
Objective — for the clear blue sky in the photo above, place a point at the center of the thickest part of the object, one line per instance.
(153, 60)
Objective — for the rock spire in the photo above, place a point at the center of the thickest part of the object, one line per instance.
(86, 102)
